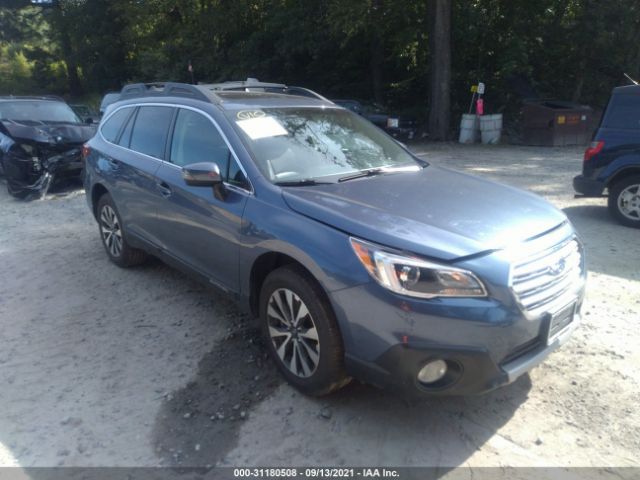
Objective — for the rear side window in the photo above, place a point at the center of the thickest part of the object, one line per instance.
(624, 112)
(150, 129)
(112, 126)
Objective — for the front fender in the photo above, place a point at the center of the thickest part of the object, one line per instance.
(320, 248)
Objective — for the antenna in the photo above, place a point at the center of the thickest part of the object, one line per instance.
(631, 79)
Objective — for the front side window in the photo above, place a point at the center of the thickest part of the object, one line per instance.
(150, 129)
(196, 139)
(37, 111)
(295, 144)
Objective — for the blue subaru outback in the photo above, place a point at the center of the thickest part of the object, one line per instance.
(359, 259)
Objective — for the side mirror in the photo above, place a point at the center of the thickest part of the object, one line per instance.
(205, 174)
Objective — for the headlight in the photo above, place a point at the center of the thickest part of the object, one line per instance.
(416, 277)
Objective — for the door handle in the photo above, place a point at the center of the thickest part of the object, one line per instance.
(164, 189)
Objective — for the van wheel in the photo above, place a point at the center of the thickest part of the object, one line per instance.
(624, 201)
(301, 332)
(113, 236)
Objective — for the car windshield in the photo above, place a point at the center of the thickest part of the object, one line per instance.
(37, 111)
(296, 144)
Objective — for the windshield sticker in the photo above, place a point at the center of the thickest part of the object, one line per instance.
(262, 127)
(247, 114)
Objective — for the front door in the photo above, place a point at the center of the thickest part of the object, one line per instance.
(197, 227)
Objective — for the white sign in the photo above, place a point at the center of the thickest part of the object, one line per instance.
(261, 127)
(480, 88)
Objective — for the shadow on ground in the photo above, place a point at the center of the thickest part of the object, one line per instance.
(198, 424)
(235, 394)
(610, 248)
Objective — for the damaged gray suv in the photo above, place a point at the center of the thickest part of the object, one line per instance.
(359, 259)
(40, 140)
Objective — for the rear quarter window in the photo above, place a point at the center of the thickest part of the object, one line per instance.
(623, 113)
(112, 126)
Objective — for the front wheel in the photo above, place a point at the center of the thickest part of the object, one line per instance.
(301, 332)
(624, 201)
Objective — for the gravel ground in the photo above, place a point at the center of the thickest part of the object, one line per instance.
(101, 366)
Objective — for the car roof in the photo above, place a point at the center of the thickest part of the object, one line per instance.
(250, 94)
(238, 100)
(627, 89)
(48, 98)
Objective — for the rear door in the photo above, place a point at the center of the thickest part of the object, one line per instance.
(142, 141)
(198, 228)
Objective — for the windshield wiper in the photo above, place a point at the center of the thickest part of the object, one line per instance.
(300, 183)
(363, 173)
(371, 172)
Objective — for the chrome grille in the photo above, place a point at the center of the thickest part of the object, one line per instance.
(545, 278)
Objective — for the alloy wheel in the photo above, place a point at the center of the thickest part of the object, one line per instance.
(293, 332)
(629, 202)
(111, 231)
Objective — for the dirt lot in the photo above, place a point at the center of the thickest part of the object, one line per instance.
(101, 366)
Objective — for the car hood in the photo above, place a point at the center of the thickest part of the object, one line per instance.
(435, 212)
(49, 133)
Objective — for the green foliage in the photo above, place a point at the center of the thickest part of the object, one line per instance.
(567, 49)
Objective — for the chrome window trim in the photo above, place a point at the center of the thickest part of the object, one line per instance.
(251, 190)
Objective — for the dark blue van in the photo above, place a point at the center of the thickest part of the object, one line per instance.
(612, 161)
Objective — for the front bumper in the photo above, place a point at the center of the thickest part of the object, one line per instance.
(588, 186)
(472, 370)
(29, 177)
(486, 342)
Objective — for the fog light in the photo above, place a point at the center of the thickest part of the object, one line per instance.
(432, 371)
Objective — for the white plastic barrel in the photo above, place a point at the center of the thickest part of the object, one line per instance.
(469, 128)
(491, 128)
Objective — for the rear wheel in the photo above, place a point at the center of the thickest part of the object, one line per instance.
(301, 332)
(113, 237)
(624, 201)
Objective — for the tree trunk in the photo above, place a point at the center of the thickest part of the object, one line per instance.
(60, 24)
(377, 56)
(440, 66)
(75, 87)
(376, 48)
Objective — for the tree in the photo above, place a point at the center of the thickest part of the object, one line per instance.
(440, 69)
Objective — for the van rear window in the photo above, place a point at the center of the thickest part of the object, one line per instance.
(623, 112)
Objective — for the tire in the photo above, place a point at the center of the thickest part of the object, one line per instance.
(113, 236)
(624, 201)
(82, 175)
(20, 194)
(318, 368)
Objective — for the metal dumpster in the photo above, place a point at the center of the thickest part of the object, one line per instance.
(555, 123)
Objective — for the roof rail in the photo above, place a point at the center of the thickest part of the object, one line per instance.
(250, 83)
(167, 89)
(244, 84)
(208, 93)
